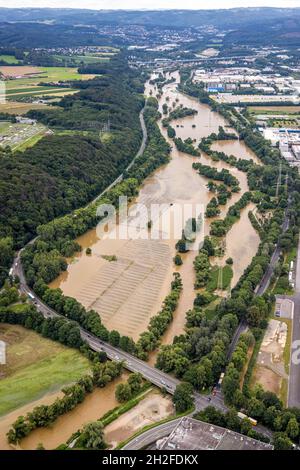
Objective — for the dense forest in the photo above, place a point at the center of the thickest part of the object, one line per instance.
(66, 170)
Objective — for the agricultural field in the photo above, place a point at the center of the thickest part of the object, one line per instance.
(19, 108)
(85, 59)
(34, 367)
(23, 81)
(274, 109)
(20, 136)
(9, 59)
(290, 122)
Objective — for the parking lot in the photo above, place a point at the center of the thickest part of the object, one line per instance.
(284, 308)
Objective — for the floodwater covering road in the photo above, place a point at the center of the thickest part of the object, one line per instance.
(129, 290)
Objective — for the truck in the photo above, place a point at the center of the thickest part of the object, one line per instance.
(243, 416)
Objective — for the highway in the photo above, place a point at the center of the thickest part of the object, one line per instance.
(294, 377)
(152, 435)
(155, 376)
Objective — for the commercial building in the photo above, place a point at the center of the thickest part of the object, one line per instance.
(288, 140)
(191, 434)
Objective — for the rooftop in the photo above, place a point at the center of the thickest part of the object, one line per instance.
(191, 434)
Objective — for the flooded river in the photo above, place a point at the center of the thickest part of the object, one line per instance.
(95, 405)
(129, 290)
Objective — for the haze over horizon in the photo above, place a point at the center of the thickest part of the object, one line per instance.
(149, 4)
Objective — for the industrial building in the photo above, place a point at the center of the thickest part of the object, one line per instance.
(191, 434)
(288, 140)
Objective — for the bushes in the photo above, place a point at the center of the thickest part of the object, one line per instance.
(186, 146)
(183, 397)
(133, 386)
(202, 268)
(158, 324)
(44, 415)
(214, 174)
(219, 228)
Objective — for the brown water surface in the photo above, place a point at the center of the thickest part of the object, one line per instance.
(128, 291)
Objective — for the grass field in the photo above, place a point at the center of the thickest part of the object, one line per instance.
(214, 278)
(40, 91)
(86, 59)
(28, 86)
(14, 107)
(274, 109)
(9, 59)
(35, 366)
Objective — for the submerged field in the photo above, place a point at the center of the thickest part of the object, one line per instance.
(35, 366)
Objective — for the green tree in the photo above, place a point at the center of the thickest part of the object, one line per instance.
(135, 381)
(92, 436)
(183, 397)
(123, 392)
(282, 442)
(292, 428)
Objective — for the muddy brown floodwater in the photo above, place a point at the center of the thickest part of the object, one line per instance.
(128, 291)
(95, 405)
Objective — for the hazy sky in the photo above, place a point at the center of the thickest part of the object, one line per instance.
(149, 4)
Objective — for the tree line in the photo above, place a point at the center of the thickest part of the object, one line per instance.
(63, 172)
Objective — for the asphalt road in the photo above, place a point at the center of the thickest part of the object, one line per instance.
(152, 435)
(155, 376)
(261, 288)
(294, 378)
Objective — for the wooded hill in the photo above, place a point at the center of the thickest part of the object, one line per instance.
(62, 172)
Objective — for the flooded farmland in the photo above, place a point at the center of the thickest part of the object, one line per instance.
(95, 405)
(129, 289)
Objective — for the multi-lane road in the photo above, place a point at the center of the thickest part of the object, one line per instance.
(294, 373)
(155, 376)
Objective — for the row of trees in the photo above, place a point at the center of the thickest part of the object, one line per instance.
(186, 146)
(219, 228)
(264, 406)
(133, 386)
(149, 340)
(62, 172)
(213, 174)
(178, 113)
(44, 259)
(44, 415)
